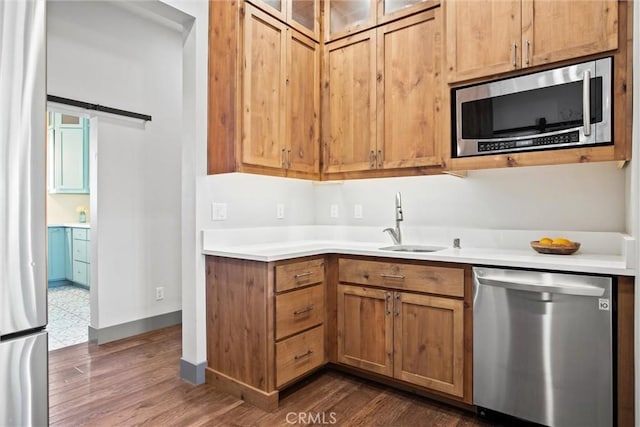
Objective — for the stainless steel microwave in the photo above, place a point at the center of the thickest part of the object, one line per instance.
(538, 111)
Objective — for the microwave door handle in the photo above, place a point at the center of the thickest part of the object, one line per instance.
(556, 288)
(586, 102)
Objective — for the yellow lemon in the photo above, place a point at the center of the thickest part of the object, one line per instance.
(561, 241)
(545, 241)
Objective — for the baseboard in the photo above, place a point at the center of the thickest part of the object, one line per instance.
(56, 283)
(136, 327)
(192, 373)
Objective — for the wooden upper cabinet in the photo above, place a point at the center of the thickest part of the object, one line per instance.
(429, 342)
(350, 103)
(303, 104)
(263, 130)
(487, 37)
(410, 91)
(482, 37)
(264, 98)
(303, 15)
(557, 30)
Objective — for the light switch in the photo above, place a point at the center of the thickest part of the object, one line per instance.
(280, 211)
(218, 211)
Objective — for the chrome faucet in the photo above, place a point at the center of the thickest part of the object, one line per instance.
(395, 233)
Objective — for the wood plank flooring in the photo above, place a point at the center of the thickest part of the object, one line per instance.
(136, 382)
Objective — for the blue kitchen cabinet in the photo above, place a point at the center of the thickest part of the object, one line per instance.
(68, 140)
(81, 256)
(56, 255)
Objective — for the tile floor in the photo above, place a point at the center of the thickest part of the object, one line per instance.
(68, 316)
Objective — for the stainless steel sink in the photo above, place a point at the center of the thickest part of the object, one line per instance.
(413, 248)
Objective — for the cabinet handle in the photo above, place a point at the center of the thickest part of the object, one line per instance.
(392, 276)
(305, 310)
(387, 297)
(526, 52)
(372, 159)
(301, 275)
(379, 158)
(515, 54)
(284, 158)
(300, 356)
(289, 155)
(397, 305)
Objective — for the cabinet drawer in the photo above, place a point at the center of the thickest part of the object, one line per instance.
(80, 234)
(80, 272)
(299, 310)
(420, 278)
(299, 354)
(81, 250)
(290, 276)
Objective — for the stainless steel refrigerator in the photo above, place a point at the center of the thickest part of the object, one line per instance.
(23, 281)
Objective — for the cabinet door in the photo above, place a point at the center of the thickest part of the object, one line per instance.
(343, 17)
(558, 30)
(429, 342)
(350, 129)
(409, 92)
(56, 261)
(69, 145)
(68, 251)
(303, 104)
(304, 16)
(277, 8)
(483, 37)
(264, 111)
(389, 10)
(365, 328)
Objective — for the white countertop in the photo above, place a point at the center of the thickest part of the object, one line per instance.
(71, 224)
(295, 244)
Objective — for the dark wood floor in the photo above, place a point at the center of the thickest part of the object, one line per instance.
(136, 382)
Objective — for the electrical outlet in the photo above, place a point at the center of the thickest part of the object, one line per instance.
(280, 211)
(357, 211)
(159, 293)
(218, 211)
(334, 211)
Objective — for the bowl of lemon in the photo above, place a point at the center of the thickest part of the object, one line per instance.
(556, 246)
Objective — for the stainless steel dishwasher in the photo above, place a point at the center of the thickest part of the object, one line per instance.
(543, 346)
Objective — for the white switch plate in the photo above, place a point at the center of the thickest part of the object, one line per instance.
(334, 211)
(218, 211)
(280, 211)
(159, 293)
(357, 211)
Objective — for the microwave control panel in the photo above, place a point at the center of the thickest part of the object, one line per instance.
(564, 138)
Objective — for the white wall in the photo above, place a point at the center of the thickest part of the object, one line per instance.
(104, 54)
(581, 197)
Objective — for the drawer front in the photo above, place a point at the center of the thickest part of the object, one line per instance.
(295, 275)
(80, 272)
(299, 354)
(80, 234)
(421, 278)
(81, 250)
(299, 310)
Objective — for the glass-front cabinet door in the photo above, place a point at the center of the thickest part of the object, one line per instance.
(304, 17)
(276, 8)
(344, 17)
(393, 9)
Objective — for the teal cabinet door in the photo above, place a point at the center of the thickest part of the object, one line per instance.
(68, 139)
(56, 262)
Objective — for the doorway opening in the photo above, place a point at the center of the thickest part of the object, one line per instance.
(68, 228)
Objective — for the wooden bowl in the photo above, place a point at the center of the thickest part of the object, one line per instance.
(555, 249)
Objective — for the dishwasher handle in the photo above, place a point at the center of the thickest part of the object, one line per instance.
(555, 288)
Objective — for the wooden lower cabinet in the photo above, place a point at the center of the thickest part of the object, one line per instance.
(365, 329)
(411, 337)
(429, 342)
(260, 340)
